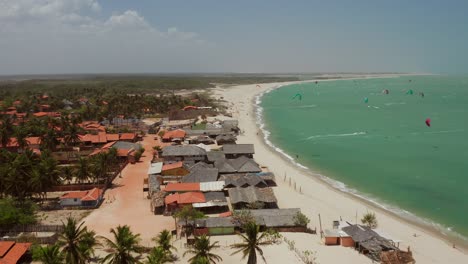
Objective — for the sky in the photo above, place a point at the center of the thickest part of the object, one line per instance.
(243, 36)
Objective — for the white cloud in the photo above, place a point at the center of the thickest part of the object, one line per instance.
(49, 36)
(130, 19)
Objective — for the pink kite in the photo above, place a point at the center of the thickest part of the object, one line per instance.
(428, 122)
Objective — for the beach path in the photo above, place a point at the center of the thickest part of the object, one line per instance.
(126, 204)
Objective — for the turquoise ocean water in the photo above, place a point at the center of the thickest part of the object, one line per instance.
(382, 148)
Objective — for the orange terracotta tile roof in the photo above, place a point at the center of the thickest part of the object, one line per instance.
(127, 136)
(15, 253)
(108, 145)
(182, 187)
(51, 114)
(5, 246)
(185, 198)
(92, 195)
(225, 214)
(74, 195)
(34, 140)
(112, 137)
(178, 133)
(124, 152)
(190, 107)
(166, 167)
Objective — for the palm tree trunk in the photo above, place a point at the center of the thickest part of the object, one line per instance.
(252, 257)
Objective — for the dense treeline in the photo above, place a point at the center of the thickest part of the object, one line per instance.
(106, 97)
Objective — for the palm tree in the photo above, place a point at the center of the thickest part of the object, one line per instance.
(370, 220)
(158, 256)
(67, 173)
(202, 251)
(72, 136)
(82, 170)
(48, 255)
(88, 244)
(252, 240)
(6, 131)
(124, 247)
(74, 241)
(164, 241)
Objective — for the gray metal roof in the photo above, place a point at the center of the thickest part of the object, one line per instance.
(275, 217)
(201, 175)
(215, 155)
(187, 150)
(126, 145)
(243, 180)
(251, 194)
(241, 164)
(239, 149)
(215, 196)
(155, 168)
(359, 233)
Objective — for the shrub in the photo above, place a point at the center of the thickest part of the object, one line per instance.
(301, 219)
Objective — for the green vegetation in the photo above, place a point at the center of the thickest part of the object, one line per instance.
(301, 219)
(13, 212)
(26, 174)
(162, 253)
(252, 240)
(188, 213)
(201, 251)
(76, 242)
(50, 254)
(370, 219)
(125, 248)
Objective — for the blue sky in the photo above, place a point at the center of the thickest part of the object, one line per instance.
(101, 36)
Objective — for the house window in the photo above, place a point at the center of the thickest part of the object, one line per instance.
(75, 200)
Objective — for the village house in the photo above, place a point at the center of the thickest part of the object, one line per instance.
(215, 202)
(226, 139)
(233, 151)
(201, 175)
(241, 164)
(243, 180)
(177, 135)
(174, 169)
(12, 252)
(91, 198)
(192, 153)
(367, 241)
(244, 197)
(179, 200)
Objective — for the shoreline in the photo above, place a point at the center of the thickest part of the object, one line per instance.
(389, 221)
(425, 224)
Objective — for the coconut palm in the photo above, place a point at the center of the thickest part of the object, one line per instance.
(202, 251)
(370, 220)
(252, 240)
(88, 244)
(125, 249)
(48, 254)
(164, 241)
(82, 170)
(72, 136)
(74, 242)
(6, 131)
(158, 256)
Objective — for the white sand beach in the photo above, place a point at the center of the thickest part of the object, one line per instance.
(318, 197)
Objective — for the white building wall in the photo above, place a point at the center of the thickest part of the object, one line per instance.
(70, 202)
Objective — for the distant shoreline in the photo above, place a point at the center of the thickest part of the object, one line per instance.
(338, 203)
(412, 219)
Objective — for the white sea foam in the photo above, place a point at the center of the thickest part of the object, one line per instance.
(401, 103)
(337, 135)
(342, 186)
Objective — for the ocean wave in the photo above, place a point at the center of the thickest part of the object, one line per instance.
(346, 189)
(336, 135)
